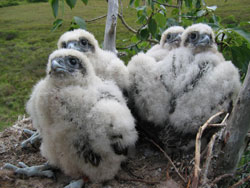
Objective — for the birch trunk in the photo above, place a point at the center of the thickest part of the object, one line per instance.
(110, 29)
(235, 136)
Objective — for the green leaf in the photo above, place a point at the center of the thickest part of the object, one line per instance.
(137, 3)
(80, 22)
(152, 26)
(134, 39)
(212, 8)
(242, 33)
(71, 3)
(57, 24)
(54, 4)
(201, 13)
(198, 4)
(131, 2)
(144, 34)
(189, 3)
(160, 19)
(85, 2)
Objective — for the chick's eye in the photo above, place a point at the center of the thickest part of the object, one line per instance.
(73, 61)
(193, 36)
(64, 45)
(84, 42)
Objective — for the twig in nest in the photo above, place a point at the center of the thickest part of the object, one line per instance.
(137, 180)
(216, 180)
(198, 150)
(240, 182)
(210, 150)
(208, 159)
(169, 159)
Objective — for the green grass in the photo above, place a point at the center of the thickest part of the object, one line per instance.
(26, 41)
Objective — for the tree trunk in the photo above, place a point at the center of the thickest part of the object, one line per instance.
(110, 29)
(235, 135)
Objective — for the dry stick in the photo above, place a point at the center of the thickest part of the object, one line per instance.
(216, 180)
(240, 182)
(210, 149)
(198, 150)
(138, 180)
(169, 159)
(97, 18)
(208, 159)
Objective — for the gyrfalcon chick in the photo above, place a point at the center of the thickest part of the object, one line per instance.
(106, 64)
(198, 80)
(85, 125)
(170, 39)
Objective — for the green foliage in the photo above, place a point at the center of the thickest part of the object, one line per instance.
(26, 41)
(154, 17)
(77, 22)
(36, 1)
(7, 3)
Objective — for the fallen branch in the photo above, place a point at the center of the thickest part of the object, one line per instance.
(240, 182)
(195, 181)
(169, 159)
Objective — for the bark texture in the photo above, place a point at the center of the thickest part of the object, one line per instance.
(110, 29)
(234, 140)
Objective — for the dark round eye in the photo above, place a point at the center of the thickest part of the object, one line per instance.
(168, 36)
(193, 36)
(84, 42)
(73, 61)
(64, 45)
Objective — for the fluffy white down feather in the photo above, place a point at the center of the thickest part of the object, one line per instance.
(77, 112)
(184, 89)
(160, 51)
(106, 64)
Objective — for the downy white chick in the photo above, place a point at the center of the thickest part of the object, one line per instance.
(106, 64)
(85, 125)
(199, 81)
(170, 39)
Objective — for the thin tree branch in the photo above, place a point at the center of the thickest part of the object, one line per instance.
(97, 18)
(130, 46)
(165, 4)
(240, 182)
(169, 159)
(125, 24)
(216, 180)
(198, 150)
(208, 159)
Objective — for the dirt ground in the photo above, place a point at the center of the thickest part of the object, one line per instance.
(146, 167)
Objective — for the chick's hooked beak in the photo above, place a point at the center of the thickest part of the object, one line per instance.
(73, 45)
(204, 40)
(177, 38)
(58, 65)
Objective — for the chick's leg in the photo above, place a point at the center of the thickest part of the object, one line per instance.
(76, 184)
(40, 170)
(33, 139)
